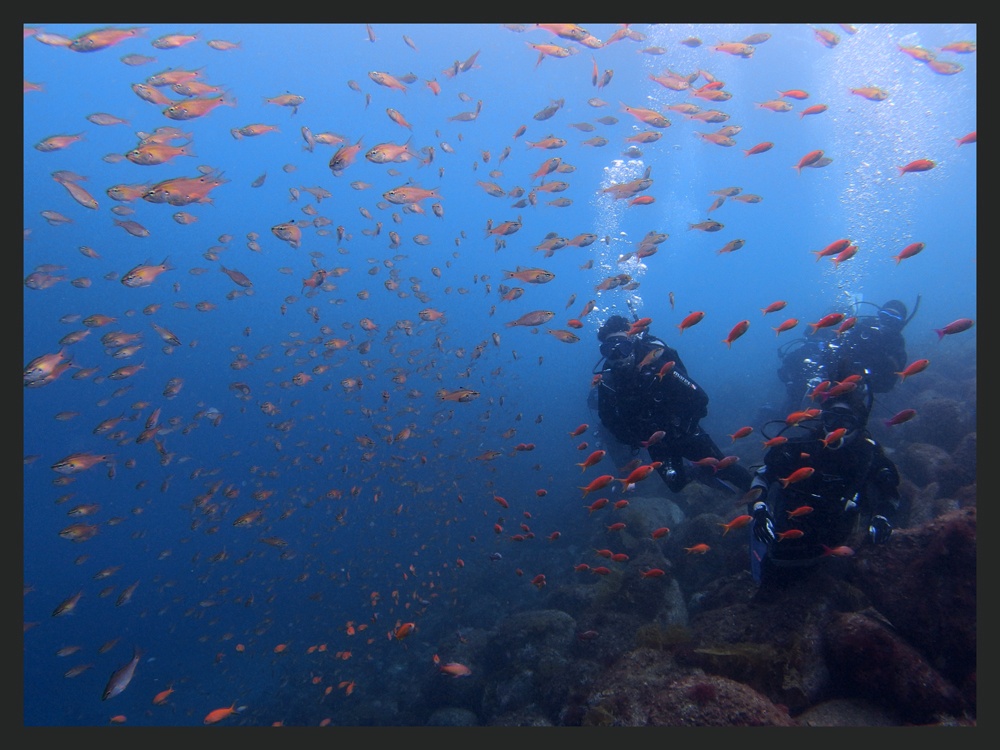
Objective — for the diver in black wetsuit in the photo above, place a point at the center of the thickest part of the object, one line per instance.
(830, 479)
(634, 401)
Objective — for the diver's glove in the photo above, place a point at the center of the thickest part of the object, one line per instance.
(879, 530)
(763, 524)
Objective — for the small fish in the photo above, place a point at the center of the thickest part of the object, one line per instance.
(913, 368)
(797, 476)
(918, 165)
(122, 676)
(737, 523)
(956, 326)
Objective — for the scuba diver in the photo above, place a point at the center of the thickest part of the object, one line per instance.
(646, 399)
(874, 342)
(827, 478)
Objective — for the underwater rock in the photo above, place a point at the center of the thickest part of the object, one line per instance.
(923, 463)
(941, 421)
(711, 701)
(453, 717)
(924, 581)
(847, 712)
(867, 658)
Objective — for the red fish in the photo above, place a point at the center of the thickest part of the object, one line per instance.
(737, 523)
(845, 254)
(833, 436)
(660, 532)
(965, 139)
(597, 504)
(847, 325)
(913, 368)
(811, 158)
(691, 320)
(697, 549)
(638, 474)
(797, 476)
(918, 165)
(403, 630)
(786, 326)
(738, 330)
(653, 573)
(901, 416)
(827, 320)
(617, 526)
(741, 433)
(667, 367)
(833, 248)
(219, 714)
(791, 534)
(841, 551)
(815, 109)
(592, 459)
(760, 148)
(956, 326)
(802, 510)
(599, 483)
(774, 307)
(909, 251)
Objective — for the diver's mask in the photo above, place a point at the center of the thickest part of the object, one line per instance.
(617, 347)
(890, 318)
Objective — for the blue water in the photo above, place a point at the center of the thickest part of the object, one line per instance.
(395, 517)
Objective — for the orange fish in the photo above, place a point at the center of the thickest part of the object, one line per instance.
(691, 320)
(151, 154)
(77, 462)
(599, 483)
(909, 251)
(697, 549)
(791, 534)
(344, 157)
(409, 194)
(592, 459)
(454, 669)
(956, 326)
(841, 551)
(872, 93)
(827, 320)
(833, 248)
(811, 158)
(845, 254)
(760, 148)
(815, 109)
(741, 433)
(797, 476)
(738, 330)
(144, 275)
(660, 532)
(461, 395)
(161, 697)
(103, 38)
(737, 523)
(398, 118)
(219, 714)
(403, 630)
(833, 436)
(787, 325)
(911, 369)
(802, 510)
(637, 474)
(189, 109)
